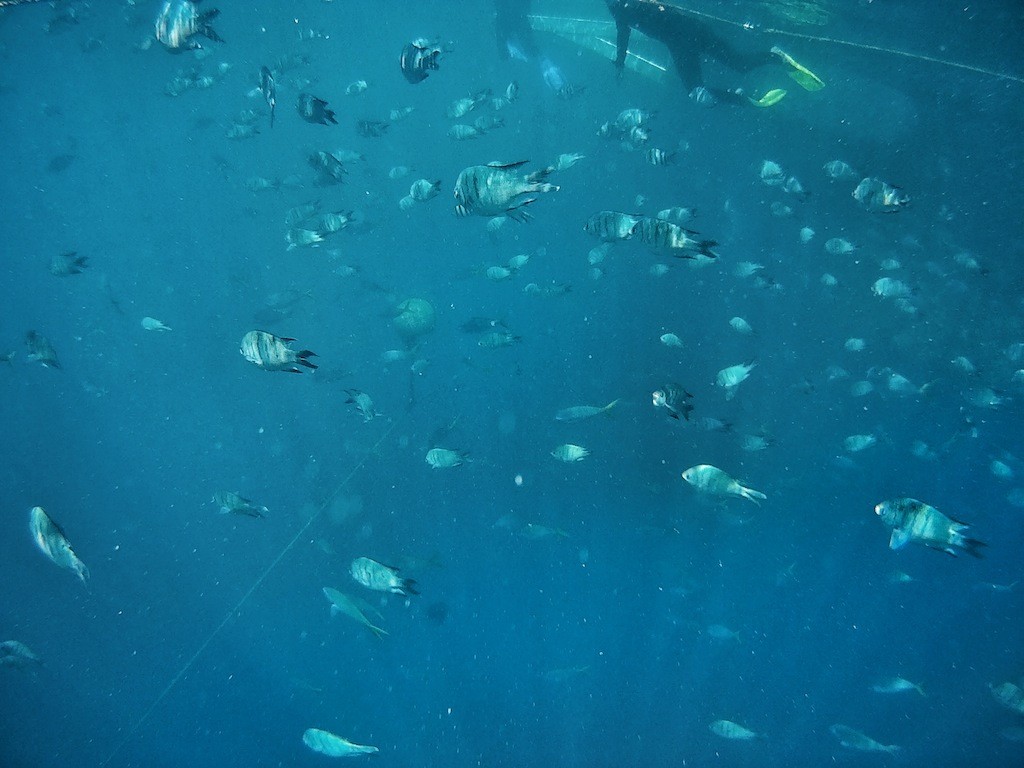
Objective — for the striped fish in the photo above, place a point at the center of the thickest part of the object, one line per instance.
(272, 353)
(609, 226)
(661, 235)
(496, 188)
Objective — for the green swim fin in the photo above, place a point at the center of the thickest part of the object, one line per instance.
(770, 99)
(801, 74)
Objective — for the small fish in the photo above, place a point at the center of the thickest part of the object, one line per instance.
(896, 685)
(566, 161)
(49, 537)
(179, 21)
(353, 608)
(676, 215)
(230, 502)
(272, 353)
(837, 169)
(445, 458)
(891, 288)
(372, 129)
(581, 412)
(711, 480)
(380, 577)
(671, 340)
(854, 739)
(837, 246)
(239, 131)
(659, 156)
(674, 399)
(326, 743)
(857, 443)
(570, 453)
(723, 633)
(268, 87)
(462, 132)
(418, 59)
(423, 190)
(41, 350)
(876, 196)
(329, 168)
(1010, 696)
(730, 730)
(740, 325)
(914, 521)
(69, 263)
(357, 87)
(363, 404)
(731, 377)
(772, 174)
(14, 653)
(152, 324)
(664, 236)
(498, 339)
(314, 110)
(806, 235)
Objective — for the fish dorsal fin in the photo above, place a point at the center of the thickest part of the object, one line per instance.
(507, 166)
(899, 538)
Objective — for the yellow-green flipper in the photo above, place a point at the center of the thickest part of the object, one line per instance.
(770, 99)
(802, 75)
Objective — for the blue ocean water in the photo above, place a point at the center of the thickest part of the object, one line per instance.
(569, 614)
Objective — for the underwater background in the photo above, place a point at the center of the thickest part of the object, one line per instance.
(594, 613)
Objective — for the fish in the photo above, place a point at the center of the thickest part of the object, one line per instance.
(914, 521)
(856, 443)
(877, 196)
(233, 503)
(656, 156)
(272, 353)
(854, 739)
(419, 58)
(837, 169)
(69, 263)
(722, 632)
(329, 168)
(740, 325)
(152, 324)
(356, 87)
(837, 246)
(353, 608)
(372, 129)
(268, 87)
(674, 399)
(676, 214)
(670, 340)
(891, 288)
(581, 412)
(445, 458)
(424, 189)
(711, 480)
(15, 654)
(363, 404)
(380, 577)
(1010, 696)
(734, 731)
(497, 188)
(731, 377)
(771, 173)
(610, 226)
(498, 339)
(54, 544)
(314, 110)
(570, 453)
(896, 685)
(462, 107)
(240, 131)
(179, 21)
(41, 350)
(326, 743)
(566, 161)
(661, 236)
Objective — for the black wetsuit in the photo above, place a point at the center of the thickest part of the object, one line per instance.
(687, 38)
(512, 27)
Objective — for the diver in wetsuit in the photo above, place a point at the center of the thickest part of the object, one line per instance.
(515, 40)
(687, 38)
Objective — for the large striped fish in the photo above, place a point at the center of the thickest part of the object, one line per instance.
(497, 189)
(272, 353)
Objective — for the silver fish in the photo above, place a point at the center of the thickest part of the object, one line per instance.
(876, 196)
(272, 353)
(51, 540)
(580, 412)
(14, 653)
(712, 480)
(496, 188)
(661, 235)
(326, 743)
(229, 502)
(380, 577)
(727, 729)
(917, 522)
(353, 608)
(445, 458)
(362, 402)
(854, 739)
(179, 21)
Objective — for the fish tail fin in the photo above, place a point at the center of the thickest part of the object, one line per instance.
(303, 358)
(380, 633)
(755, 496)
(610, 405)
(704, 248)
